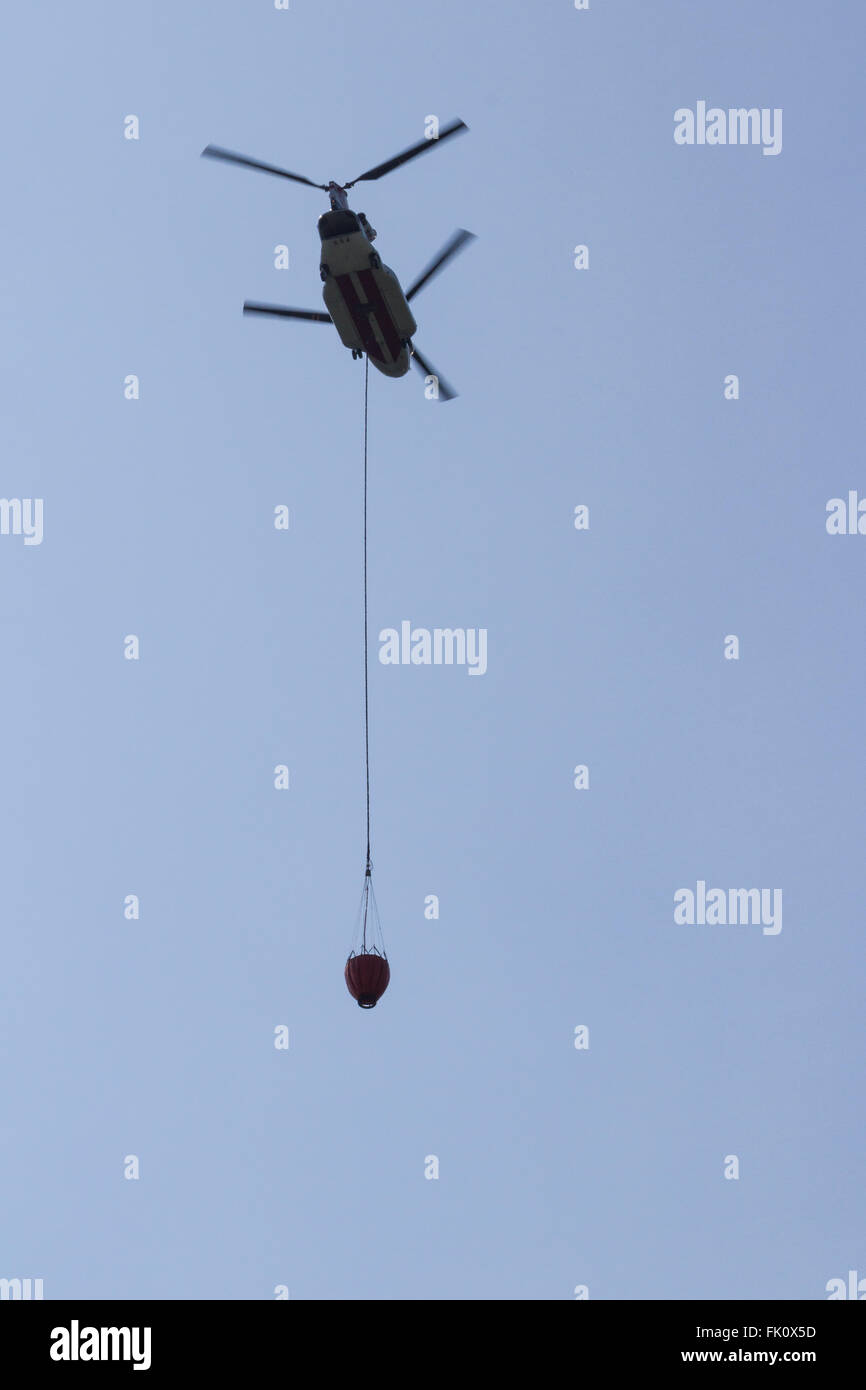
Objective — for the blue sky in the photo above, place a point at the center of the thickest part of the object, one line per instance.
(557, 1167)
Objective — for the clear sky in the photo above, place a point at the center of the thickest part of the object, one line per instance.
(603, 387)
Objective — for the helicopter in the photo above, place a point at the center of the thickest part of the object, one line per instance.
(364, 298)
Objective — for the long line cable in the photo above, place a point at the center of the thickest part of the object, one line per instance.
(366, 692)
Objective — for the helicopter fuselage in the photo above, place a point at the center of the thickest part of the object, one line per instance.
(363, 297)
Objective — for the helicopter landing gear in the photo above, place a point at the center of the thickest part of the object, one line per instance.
(356, 354)
(324, 272)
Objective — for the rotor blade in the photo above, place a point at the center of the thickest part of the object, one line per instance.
(281, 312)
(451, 247)
(215, 152)
(420, 148)
(446, 392)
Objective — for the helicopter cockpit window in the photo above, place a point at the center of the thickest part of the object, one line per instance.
(340, 223)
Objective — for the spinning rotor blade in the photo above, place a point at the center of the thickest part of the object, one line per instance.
(215, 152)
(420, 148)
(451, 247)
(446, 392)
(281, 312)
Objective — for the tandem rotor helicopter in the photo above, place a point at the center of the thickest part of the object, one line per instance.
(364, 298)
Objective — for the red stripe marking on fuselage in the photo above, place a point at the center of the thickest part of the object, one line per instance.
(360, 317)
(382, 312)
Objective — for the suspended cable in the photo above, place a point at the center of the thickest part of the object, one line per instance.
(367, 970)
(366, 678)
